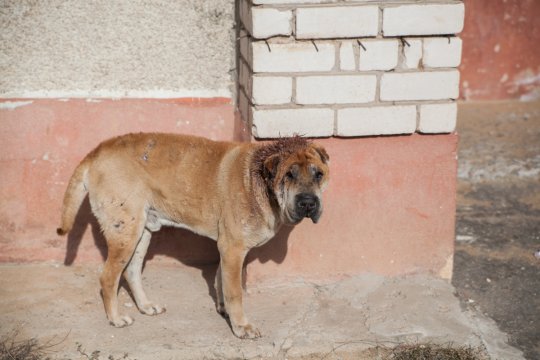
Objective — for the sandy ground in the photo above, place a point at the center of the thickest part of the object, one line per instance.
(498, 217)
(496, 276)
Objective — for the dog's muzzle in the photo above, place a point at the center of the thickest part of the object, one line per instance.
(307, 205)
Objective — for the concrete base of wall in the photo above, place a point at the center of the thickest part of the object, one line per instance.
(389, 208)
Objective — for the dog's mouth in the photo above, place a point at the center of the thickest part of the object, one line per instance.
(315, 217)
(305, 206)
(294, 219)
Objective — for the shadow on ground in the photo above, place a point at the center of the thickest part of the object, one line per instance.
(183, 245)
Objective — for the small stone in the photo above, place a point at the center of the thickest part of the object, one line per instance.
(444, 308)
(128, 304)
(465, 238)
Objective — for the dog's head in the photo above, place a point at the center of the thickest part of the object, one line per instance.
(297, 172)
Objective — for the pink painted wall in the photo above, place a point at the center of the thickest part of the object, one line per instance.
(44, 140)
(501, 52)
(389, 208)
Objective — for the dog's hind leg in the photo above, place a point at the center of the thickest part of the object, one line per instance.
(119, 254)
(122, 230)
(133, 276)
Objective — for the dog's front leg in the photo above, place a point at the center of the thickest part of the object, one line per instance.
(232, 260)
(220, 303)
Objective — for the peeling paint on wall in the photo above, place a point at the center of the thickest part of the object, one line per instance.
(501, 56)
(10, 105)
(527, 83)
(446, 270)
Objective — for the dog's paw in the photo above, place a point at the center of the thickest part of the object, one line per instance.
(152, 309)
(246, 331)
(122, 321)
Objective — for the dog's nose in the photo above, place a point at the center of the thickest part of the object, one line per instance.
(306, 204)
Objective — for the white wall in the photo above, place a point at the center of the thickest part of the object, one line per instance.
(66, 48)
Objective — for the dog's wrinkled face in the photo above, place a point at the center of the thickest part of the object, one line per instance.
(298, 180)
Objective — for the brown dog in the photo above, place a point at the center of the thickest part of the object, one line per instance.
(235, 193)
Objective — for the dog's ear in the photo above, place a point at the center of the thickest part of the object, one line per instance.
(271, 166)
(322, 153)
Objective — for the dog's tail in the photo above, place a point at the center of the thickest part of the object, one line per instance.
(75, 193)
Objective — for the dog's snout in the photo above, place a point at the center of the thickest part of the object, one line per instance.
(306, 204)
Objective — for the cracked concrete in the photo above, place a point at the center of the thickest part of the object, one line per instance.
(298, 320)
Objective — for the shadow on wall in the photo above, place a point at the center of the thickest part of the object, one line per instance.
(183, 245)
(83, 219)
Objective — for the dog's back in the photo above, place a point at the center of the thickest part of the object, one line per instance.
(147, 170)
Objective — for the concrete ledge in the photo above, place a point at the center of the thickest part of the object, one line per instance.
(299, 320)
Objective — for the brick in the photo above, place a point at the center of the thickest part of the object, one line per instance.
(347, 58)
(442, 52)
(379, 55)
(288, 122)
(337, 89)
(263, 23)
(427, 85)
(264, 90)
(379, 120)
(412, 54)
(433, 19)
(437, 118)
(271, 90)
(297, 56)
(269, 22)
(337, 22)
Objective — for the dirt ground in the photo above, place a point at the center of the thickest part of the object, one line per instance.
(495, 277)
(498, 217)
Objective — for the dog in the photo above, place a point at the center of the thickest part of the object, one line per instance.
(238, 194)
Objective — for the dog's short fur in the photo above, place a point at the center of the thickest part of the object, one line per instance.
(235, 193)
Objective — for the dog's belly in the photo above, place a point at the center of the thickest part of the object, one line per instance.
(155, 220)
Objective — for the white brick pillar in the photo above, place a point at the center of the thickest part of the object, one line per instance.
(322, 68)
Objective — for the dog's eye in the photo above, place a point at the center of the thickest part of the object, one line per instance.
(319, 175)
(290, 175)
